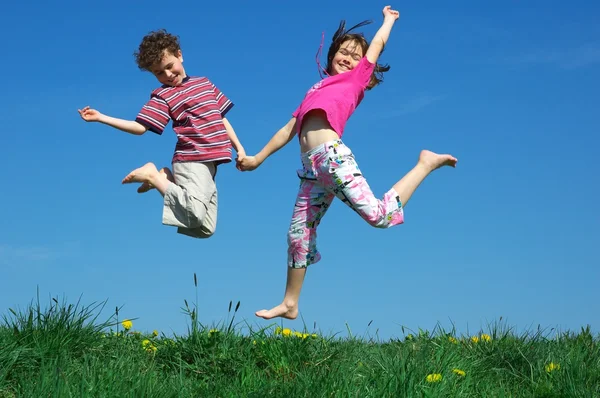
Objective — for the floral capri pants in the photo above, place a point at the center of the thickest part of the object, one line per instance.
(330, 170)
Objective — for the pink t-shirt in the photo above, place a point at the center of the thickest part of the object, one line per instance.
(337, 95)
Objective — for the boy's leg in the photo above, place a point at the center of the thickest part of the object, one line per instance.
(149, 174)
(210, 221)
(146, 186)
(311, 205)
(187, 202)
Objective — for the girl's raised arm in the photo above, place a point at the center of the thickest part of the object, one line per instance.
(381, 37)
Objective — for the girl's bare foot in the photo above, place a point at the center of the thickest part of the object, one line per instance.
(282, 310)
(434, 160)
(164, 172)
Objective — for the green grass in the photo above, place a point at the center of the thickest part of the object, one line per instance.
(63, 350)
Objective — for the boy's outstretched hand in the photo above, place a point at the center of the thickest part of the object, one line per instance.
(247, 163)
(241, 155)
(89, 115)
(389, 13)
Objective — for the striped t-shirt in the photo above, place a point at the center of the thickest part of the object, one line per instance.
(197, 108)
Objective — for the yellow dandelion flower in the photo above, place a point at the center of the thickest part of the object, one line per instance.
(127, 324)
(486, 337)
(459, 372)
(475, 339)
(148, 346)
(314, 335)
(551, 367)
(278, 330)
(155, 333)
(434, 378)
(286, 332)
(298, 334)
(452, 340)
(305, 336)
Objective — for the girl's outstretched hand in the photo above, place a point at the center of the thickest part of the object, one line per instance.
(389, 13)
(248, 163)
(89, 115)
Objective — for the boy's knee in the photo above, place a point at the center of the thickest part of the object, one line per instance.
(196, 212)
(199, 233)
(208, 230)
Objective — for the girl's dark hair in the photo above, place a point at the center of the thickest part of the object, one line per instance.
(340, 36)
(153, 47)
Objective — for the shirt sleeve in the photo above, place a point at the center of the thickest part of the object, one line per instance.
(154, 115)
(223, 102)
(363, 71)
(297, 111)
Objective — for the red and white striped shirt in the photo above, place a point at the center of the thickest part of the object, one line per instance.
(197, 108)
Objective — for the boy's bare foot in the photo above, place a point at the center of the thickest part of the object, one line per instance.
(147, 173)
(164, 172)
(434, 161)
(145, 187)
(282, 310)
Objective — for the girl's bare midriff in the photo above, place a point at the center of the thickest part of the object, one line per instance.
(316, 130)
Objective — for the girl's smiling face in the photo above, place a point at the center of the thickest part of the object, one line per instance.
(346, 57)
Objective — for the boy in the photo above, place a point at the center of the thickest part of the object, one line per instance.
(204, 136)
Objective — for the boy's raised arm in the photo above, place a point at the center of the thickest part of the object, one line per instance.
(129, 126)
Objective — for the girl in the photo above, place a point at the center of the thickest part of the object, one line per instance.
(329, 168)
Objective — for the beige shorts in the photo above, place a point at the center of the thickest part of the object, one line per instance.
(190, 204)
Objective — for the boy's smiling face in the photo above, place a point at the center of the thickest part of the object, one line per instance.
(170, 69)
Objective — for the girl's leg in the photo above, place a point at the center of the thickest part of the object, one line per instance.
(289, 307)
(311, 204)
(428, 162)
(342, 176)
(148, 173)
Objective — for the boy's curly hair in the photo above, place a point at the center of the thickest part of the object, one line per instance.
(153, 46)
(340, 36)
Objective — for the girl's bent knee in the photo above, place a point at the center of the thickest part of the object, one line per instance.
(383, 221)
(375, 220)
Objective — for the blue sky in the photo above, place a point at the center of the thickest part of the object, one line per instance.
(509, 88)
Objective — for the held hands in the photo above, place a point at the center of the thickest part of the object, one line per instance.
(389, 14)
(241, 154)
(248, 163)
(89, 115)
